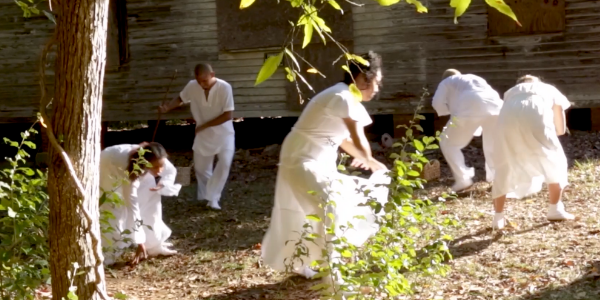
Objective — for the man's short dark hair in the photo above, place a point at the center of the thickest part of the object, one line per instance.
(357, 68)
(203, 68)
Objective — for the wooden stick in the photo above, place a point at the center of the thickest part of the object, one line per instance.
(166, 95)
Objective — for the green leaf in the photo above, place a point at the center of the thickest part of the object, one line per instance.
(29, 144)
(355, 92)
(50, 16)
(460, 6)
(418, 145)
(358, 59)
(387, 2)
(345, 67)
(269, 68)
(313, 218)
(346, 253)
(121, 296)
(420, 7)
(308, 31)
(335, 5)
(246, 3)
(289, 74)
(501, 6)
(413, 173)
(72, 296)
(292, 57)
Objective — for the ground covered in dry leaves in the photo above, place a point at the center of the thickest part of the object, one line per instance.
(533, 259)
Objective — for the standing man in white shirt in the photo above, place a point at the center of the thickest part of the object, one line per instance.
(211, 103)
(473, 106)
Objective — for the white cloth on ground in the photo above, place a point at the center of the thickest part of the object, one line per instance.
(528, 152)
(151, 206)
(473, 106)
(211, 140)
(211, 182)
(308, 163)
(113, 166)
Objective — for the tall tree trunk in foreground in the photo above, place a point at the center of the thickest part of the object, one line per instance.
(76, 122)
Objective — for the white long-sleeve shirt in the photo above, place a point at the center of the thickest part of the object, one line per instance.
(466, 95)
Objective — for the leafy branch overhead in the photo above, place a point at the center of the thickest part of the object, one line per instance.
(309, 22)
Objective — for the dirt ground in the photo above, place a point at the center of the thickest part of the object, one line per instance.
(534, 259)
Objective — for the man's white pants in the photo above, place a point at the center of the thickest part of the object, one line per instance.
(457, 134)
(211, 182)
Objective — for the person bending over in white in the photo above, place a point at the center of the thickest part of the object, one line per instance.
(149, 194)
(211, 103)
(528, 152)
(117, 165)
(473, 106)
(333, 119)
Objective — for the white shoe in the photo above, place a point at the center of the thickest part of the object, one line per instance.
(556, 212)
(459, 186)
(499, 221)
(214, 205)
(306, 272)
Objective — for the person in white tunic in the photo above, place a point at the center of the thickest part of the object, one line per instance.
(211, 103)
(116, 175)
(149, 194)
(528, 152)
(473, 106)
(332, 119)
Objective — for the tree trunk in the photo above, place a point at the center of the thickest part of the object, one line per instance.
(76, 120)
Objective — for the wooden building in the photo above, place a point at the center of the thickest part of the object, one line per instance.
(149, 39)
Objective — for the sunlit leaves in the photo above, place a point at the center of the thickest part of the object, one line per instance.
(269, 68)
(246, 3)
(420, 7)
(501, 6)
(355, 92)
(460, 7)
(335, 5)
(387, 2)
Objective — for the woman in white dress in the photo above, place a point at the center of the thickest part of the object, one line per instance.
(117, 164)
(528, 152)
(332, 119)
(149, 196)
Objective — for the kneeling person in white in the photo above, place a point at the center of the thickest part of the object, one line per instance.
(211, 103)
(149, 197)
(473, 106)
(528, 152)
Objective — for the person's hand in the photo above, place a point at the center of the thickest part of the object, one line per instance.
(359, 163)
(375, 165)
(199, 128)
(157, 187)
(140, 254)
(163, 108)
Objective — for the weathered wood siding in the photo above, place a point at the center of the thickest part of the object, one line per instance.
(417, 48)
(165, 35)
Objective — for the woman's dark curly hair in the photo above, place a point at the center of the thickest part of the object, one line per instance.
(357, 68)
(153, 153)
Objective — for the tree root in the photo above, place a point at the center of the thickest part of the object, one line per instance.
(71, 170)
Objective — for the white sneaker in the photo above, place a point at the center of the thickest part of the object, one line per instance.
(214, 205)
(556, 212)
(499, 221)
(459, 186)
(306, 272)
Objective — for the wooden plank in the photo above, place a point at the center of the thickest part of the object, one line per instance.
(266, 24)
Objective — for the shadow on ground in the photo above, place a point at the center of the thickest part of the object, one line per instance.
(584, 288)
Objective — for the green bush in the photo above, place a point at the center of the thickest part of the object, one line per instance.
(24, 211)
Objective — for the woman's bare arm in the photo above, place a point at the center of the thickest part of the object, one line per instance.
(559, 119)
